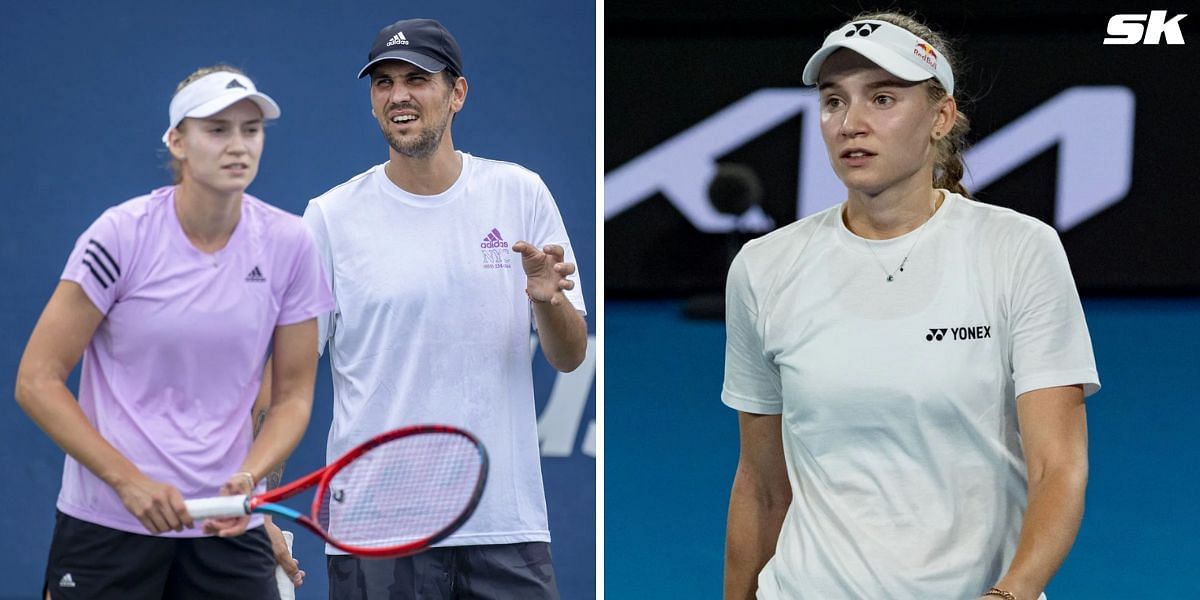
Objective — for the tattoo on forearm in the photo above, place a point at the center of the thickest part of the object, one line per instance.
(276, 475)
(257, 418)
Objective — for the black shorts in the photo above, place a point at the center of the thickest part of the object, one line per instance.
(98, 563)
(498, 572)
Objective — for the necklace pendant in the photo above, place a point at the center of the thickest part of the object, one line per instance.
(890, 277)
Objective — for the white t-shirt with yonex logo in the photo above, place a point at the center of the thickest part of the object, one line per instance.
(171, 373)
(899, 398)
(432, 323)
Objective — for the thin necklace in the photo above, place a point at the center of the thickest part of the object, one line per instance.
(891, 276)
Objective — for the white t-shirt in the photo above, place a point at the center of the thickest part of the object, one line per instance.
(432, 323)
(898, 399)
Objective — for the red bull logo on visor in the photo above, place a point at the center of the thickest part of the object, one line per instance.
(926, 53)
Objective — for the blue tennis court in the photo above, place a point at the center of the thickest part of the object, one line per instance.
(671, 450)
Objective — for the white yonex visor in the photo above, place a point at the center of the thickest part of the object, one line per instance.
(893, 48)
(214, 93)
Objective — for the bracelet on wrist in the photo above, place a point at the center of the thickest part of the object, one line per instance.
(249, 477)
(995, 591)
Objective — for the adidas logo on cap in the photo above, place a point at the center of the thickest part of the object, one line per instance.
(398, 39)
(233, 83)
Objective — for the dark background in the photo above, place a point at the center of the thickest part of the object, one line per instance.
(671, 446)
(669, 66)
(84, 91)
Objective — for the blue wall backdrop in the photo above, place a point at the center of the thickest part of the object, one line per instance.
(85, 94)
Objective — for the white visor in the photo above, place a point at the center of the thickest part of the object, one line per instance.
(893, 48)
(214, 93)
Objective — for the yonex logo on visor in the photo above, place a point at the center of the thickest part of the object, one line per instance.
(862, 29)
(894, 48)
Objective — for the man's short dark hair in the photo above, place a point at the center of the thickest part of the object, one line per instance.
(448, 75)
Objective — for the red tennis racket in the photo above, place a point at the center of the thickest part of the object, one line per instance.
(394, 495)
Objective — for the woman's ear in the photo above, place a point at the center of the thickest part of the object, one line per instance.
(175, 143)
(947, 114)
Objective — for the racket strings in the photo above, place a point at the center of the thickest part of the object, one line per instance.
(402, 491)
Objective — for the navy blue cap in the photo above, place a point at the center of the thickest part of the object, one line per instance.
(422, 42)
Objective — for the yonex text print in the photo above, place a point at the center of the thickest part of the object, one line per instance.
(975, 332)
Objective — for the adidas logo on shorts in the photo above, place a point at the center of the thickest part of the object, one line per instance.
(66, 582)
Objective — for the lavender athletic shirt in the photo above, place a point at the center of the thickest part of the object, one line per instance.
(171, 373)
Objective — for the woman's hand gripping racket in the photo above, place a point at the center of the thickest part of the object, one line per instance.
(393, 495)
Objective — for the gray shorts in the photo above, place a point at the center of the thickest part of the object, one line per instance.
(494, 572)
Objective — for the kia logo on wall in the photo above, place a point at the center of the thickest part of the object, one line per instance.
(1091, 125)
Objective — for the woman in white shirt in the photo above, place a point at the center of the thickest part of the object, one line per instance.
(909, 366)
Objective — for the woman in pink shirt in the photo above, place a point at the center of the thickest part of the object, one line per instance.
(174, 300)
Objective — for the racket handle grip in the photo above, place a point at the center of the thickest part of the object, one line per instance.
(287, 590)
(219, 506)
